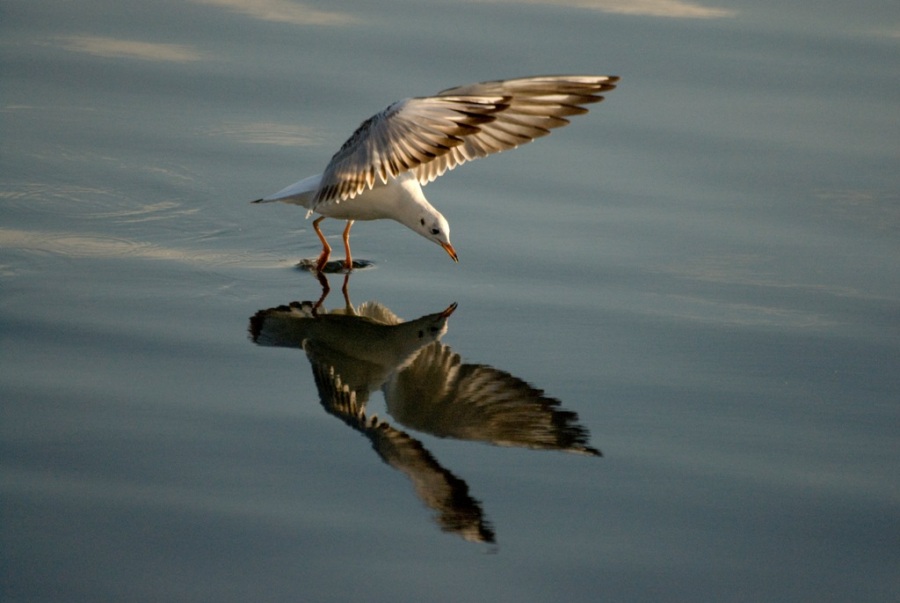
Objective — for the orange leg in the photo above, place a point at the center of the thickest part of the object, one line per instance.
(326, 248)
(348, 263)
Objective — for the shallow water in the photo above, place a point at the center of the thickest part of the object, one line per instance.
(700, 278)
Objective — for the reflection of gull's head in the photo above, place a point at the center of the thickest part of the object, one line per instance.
(364, 348)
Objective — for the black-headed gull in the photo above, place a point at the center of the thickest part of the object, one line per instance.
(379, 172)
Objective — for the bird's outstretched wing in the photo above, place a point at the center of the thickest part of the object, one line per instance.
(430, 135)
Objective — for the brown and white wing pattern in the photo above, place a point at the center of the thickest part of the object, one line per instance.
(405, 135)
(430, 135)
(536, 105)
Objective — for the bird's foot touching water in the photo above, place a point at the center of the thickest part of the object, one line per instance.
(315, 265)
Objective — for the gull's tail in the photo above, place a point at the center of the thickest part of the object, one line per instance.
(300, 193)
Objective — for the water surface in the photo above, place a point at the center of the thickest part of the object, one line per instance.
(700, 278)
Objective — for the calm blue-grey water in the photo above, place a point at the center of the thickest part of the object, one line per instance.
(699, 279)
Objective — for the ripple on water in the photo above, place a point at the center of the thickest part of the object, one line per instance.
(84, 245)
(76, 221)
(89, 203)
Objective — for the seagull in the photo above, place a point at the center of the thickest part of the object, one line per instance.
(379, 171)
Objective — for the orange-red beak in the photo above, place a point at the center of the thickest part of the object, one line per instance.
(450, 251)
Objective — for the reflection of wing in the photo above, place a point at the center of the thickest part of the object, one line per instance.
(438, 488)
(437, 394)
(280, 327)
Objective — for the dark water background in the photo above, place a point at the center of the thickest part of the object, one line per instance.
(705, 270)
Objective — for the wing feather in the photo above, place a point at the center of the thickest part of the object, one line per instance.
(430, 135)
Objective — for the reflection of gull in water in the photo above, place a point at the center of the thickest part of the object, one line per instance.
(379, 171)
(426, 387)
(363, 346)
